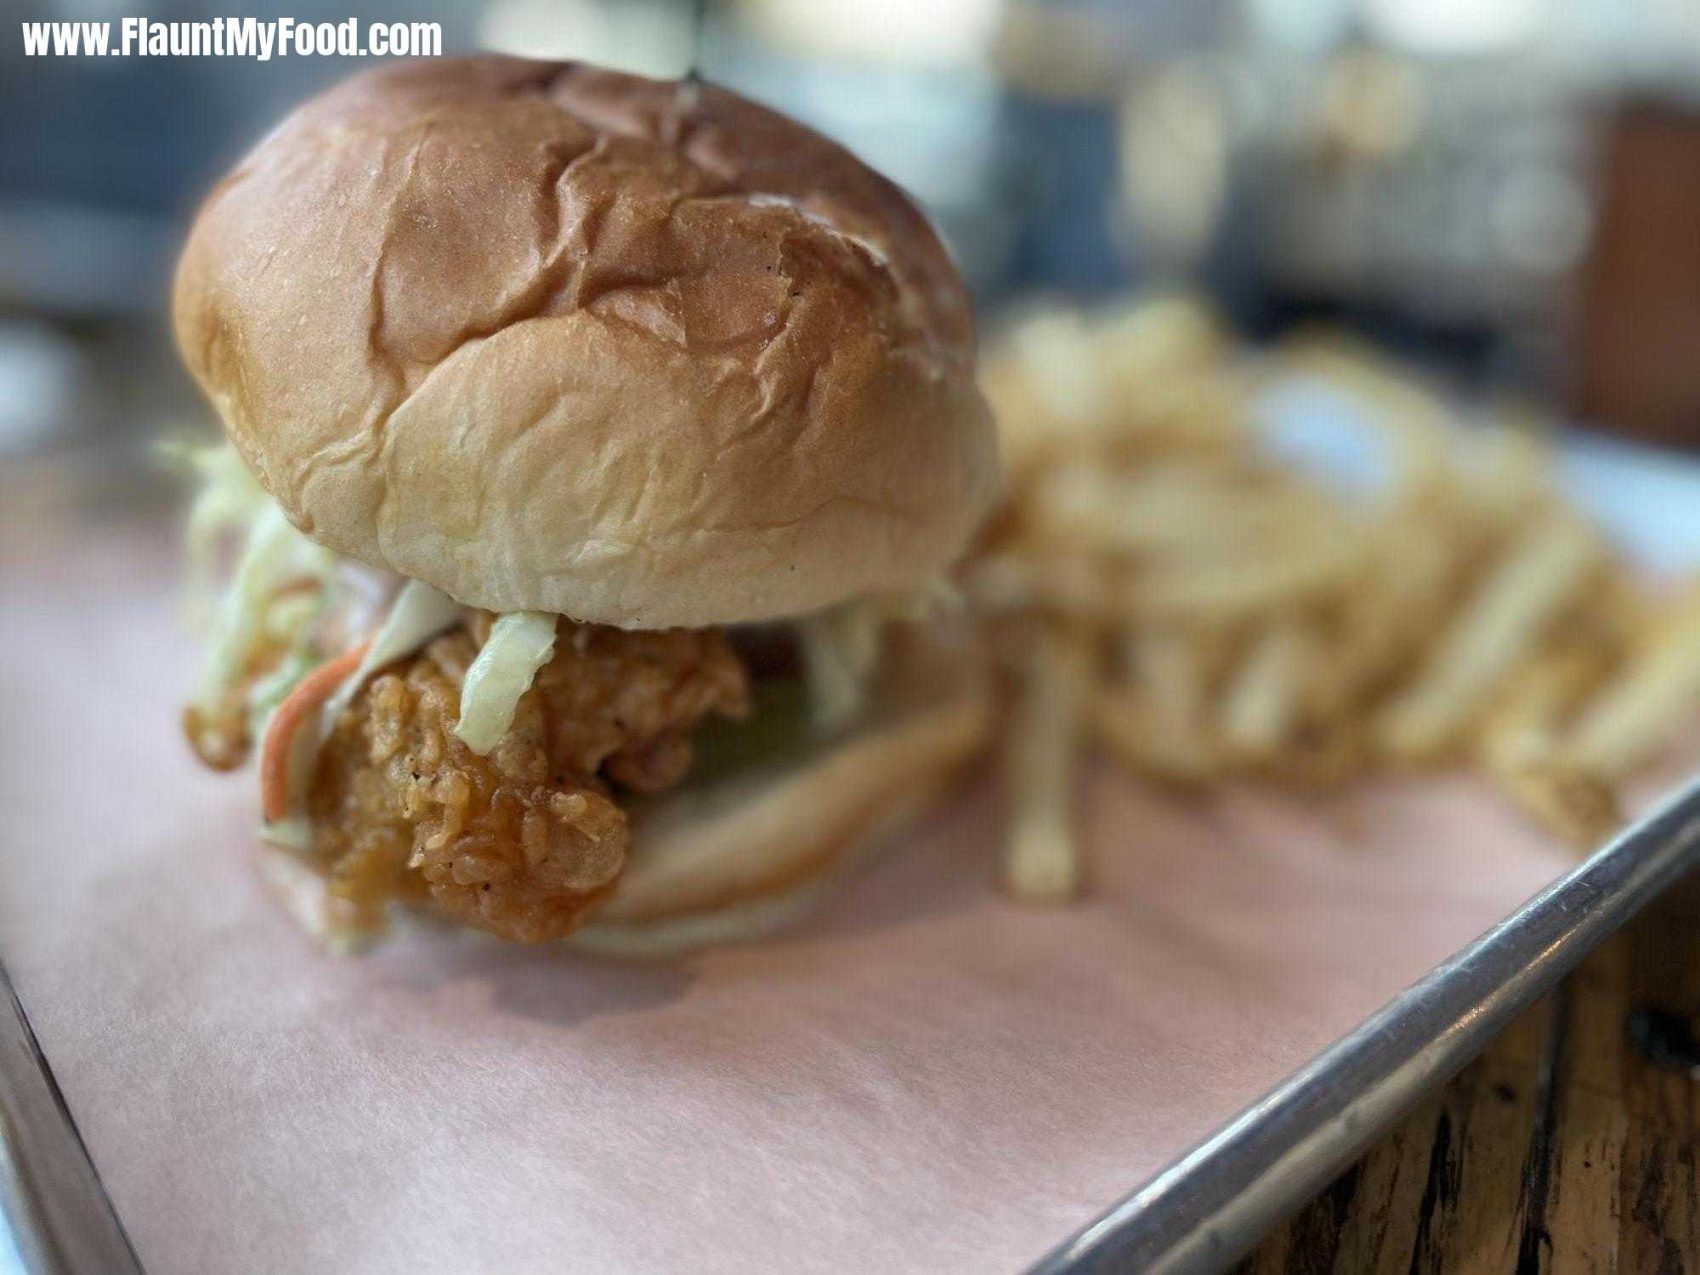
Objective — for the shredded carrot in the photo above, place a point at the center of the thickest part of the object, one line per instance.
(297, 707)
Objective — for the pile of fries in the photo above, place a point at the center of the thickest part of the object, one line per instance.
(1164, 583)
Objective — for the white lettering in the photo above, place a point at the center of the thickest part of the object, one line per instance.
(240, 37)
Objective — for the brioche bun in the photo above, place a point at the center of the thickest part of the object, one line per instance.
(555, 338)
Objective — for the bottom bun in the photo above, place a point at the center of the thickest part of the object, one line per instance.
(750, 854)
(718, 861)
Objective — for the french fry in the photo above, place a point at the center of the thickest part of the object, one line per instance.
(1525, 592)
(1189, 509)
(1639, 711)
(1124, 726)
(1261, 705)
(1510, 476)
(1067, 583)
(1283, 573)
(1321, 761)
(1158, 722)
(1520, 749)
(1413, 418)
(1381, 626)
(1055, 352)
(1164, 337)
(1042, 853)
(1276, 627)
(1573, 802)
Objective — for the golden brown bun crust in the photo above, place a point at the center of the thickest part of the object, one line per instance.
(555, 338)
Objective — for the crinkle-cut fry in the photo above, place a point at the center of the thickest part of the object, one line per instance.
(1042, 852)
(1637, 712)
(1525, 592)
(1263, 698)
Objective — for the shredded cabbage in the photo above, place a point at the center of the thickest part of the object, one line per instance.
(272, 689)
(842, 647)
(920, 605)
(253, 614)
(274, 602)
(841, 650)
(228, 501)
(520, 643)
(417, 615)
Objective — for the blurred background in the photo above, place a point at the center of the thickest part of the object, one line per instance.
(1510, 188)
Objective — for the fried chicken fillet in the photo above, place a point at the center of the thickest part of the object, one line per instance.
(522, 841)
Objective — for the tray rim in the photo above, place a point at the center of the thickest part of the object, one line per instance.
(1210, 1205)
(52, 1201)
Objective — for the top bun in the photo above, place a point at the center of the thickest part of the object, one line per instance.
(555, 338)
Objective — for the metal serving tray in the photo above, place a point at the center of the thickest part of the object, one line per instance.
(1213, 1203)
(1198, 1214)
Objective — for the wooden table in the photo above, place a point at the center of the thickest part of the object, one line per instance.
(1572, 1144)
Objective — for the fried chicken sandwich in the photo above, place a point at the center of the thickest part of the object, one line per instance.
(597, 449)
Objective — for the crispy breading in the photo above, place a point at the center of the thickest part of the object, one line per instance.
(523, 841)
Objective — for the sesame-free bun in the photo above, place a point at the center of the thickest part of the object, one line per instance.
(732, 860)
(555, 338)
